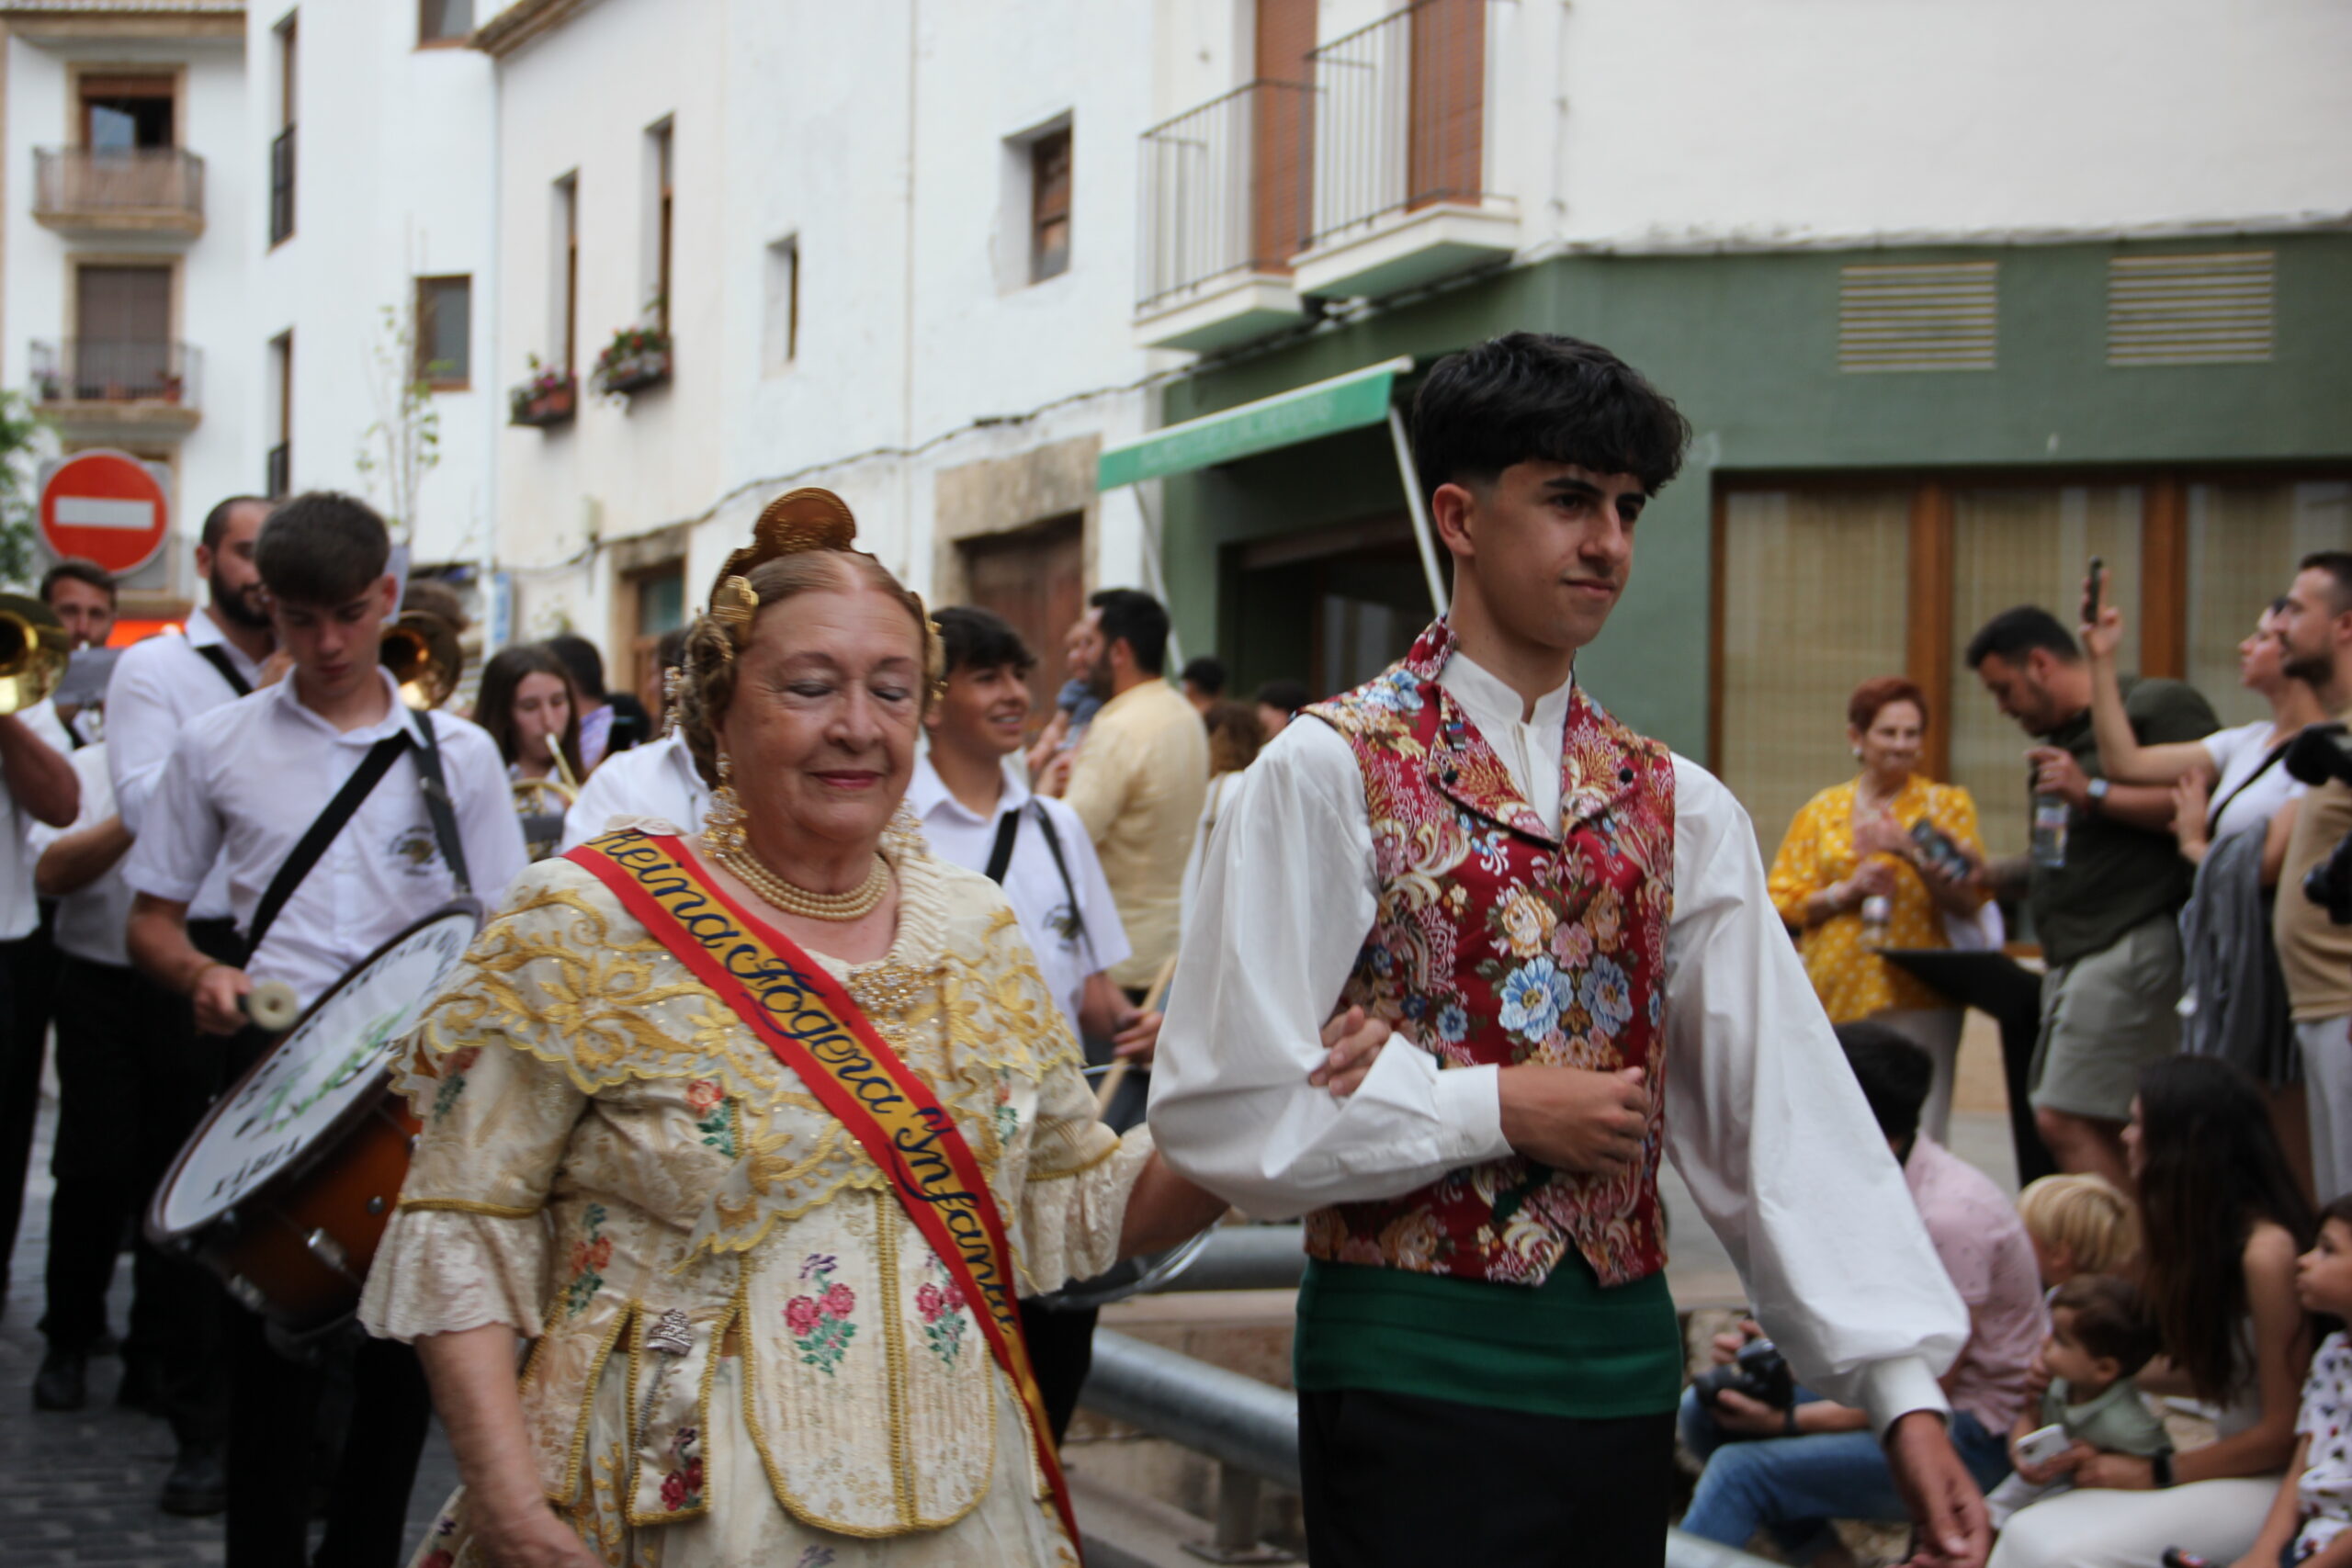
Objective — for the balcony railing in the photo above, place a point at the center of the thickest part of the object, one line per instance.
(1400, 116)
(114, 372)
(281, 185)
(1223, 189)
(131, 187)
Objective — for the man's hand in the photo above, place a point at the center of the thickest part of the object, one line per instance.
(1575, 1118)
(1746, 1417)
(1352, 1042)
(1725, 1349)
(1949, 1526)
(2055, 772)
(218, 992)
(1138, 1038)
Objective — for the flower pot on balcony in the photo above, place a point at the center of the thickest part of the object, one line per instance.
(544, 405)
(621, 375)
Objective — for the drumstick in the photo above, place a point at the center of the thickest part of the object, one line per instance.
(272, 1004)
(1118, 1073)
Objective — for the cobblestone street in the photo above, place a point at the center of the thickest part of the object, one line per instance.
(80, 1487)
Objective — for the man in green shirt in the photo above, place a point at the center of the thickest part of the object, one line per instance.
(2106, 918)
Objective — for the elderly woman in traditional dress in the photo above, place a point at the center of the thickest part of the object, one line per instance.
(758, 1136)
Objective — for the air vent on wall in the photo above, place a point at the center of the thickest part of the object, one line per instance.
(2204, 310)
(1933, 316)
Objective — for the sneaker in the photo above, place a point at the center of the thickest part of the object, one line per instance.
(63, 1382)
(197, 1486)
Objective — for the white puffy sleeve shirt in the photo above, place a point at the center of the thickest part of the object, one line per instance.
(1764, 1120)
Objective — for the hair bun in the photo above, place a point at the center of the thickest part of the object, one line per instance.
(809, 519)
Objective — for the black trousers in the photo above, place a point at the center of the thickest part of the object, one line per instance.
(1518, 1489)
(130, 1089)
(1061, 1353)
(28, 973)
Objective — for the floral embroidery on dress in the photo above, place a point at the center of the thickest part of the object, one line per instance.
(682, 1482)
(589, 1256)
(940, 1304)
(453, 1079)
(714, 1116)
(820, 1322)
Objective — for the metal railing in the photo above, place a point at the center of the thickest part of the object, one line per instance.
(1400, 115)
(1223, 189)
(281, 185)
(1251, 1429)
(97, 181)
(116, 370)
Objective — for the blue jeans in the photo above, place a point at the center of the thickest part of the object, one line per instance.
(1795, 1486)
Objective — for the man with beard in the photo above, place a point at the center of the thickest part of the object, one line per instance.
(159, 685)
(2314, 625)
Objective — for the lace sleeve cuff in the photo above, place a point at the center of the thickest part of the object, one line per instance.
(1069, 1222)
(443, 1270)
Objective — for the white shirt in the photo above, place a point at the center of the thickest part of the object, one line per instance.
(242, 787)
(657, 779)
(19, 910)
(2236, 754)
(91, 919)
(159, 684)
(1763, 1119)
(1068, 950)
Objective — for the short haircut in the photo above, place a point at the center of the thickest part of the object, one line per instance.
(1894, 1075)
(1862, 707)
(2015, 632)
(1135, 617)
(1207, 675)
(2111, 1319)
(321, 549)
(2086, 1215)
(2338, 564)
(1284, 694)
(216, 522)
(79, 571)
(974, 638)
(587, 665)
(1234, 735)
(1529, 397)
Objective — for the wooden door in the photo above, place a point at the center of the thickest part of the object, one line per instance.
(1036, 580)
(1282, 128)
(1446, 153)
(123, 328)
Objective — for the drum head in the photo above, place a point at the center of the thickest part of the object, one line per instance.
(330, 1068)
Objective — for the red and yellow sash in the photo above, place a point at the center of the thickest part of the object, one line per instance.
(808, 1020)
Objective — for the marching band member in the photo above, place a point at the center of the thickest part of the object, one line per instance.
(529, 707)
(310, 796)
(657, 779)
(1572, 924)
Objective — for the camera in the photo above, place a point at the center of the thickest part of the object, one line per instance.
(2322, 753)
(1758, 1372)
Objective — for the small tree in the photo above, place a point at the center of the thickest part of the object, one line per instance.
(20, 446)
(404, 444)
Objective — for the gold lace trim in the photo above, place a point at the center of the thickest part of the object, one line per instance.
(471, 1206)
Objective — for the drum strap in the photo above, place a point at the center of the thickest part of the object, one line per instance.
(313, 843)
(213, 653)
(436, 800)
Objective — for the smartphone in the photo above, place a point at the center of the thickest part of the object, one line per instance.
(2177, 1557)
(1940, 850)
(2043, 1444)
(2091, 584)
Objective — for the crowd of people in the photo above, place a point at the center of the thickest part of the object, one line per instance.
(835, 1011)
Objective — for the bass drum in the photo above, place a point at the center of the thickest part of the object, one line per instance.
(284, 1187)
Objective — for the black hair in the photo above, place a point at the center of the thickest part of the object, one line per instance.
(1138, 619)
(1528, 397)
(1205, 676)
(79, 571)
(2017, 632)
(321, 549)
(974, 638)
(2111, 1319)
(1894, 1075)
(2338, 564)
(587, 665)
(1284, 694)
(216, 522)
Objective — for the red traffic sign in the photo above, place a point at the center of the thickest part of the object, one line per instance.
(105, 507)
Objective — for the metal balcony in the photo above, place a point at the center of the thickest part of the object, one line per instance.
(101, 190)
(1223, 191)
(133, 385)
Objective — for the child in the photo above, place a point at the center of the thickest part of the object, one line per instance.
(2080, 1225)
(2099, 1336)
(2310, 1523)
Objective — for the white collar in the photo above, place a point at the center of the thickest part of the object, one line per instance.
(393, 723)
(927, 792)
(1493, 705)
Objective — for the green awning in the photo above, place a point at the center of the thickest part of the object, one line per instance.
(1303, 413)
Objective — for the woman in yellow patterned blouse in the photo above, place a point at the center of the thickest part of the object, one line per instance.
(1851, 843)
(758, 1135)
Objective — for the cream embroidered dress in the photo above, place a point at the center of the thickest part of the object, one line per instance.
(745, 1354)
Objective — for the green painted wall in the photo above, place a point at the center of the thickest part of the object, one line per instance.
(1748, 345)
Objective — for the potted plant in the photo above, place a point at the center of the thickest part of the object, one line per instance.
(637, 358)
(548, 396)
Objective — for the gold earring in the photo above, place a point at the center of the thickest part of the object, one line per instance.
(723, 824)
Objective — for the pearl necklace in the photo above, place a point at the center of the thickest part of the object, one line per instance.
(855, 904)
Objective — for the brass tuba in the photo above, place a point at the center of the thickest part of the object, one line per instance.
(33, 651)
(422, 653)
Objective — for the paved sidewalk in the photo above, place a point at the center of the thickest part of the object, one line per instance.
(79, 1488)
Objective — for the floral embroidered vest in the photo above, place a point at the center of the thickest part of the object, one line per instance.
(1498, 942)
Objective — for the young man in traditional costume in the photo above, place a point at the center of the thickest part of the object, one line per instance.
(1567, 919)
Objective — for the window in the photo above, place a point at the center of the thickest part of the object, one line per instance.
(565, 292)
(125, 114)
(280, 467)
(444, 332)
(122, 324)
(781, 339)
(1050, 182)
(658, 191)
(658, 600)
(444, 21)
(281, 146)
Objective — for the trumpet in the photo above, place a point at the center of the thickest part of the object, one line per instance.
(33, 651)
(422, 653)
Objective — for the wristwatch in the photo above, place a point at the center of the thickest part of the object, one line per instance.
(2160, 1468)
(2098, 791)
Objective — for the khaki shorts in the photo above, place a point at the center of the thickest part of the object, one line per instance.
(2104, 1017)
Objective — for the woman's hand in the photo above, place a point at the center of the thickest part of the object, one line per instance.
(2049, 1470)
(1352, 1042)
(2104, 635)
(530, 1536)
(2116, 1473)
(1874, 879)
(1881, 834)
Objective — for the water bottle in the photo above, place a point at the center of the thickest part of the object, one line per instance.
(2049, 814)
(1877, 910)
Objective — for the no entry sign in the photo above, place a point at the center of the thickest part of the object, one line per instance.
(106, 507)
